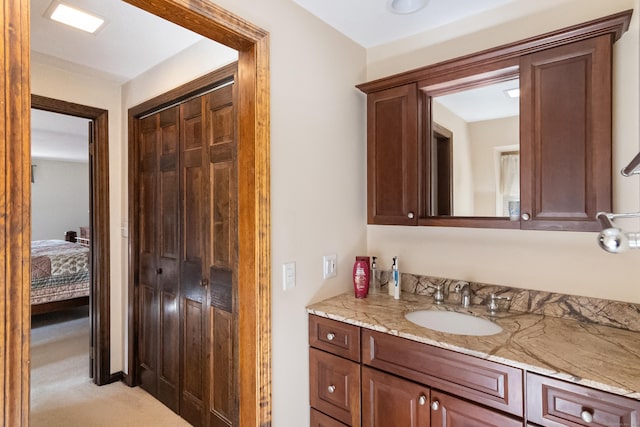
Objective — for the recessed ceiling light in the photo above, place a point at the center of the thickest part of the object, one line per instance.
(74, 17)
(513, 93)
(405, 7)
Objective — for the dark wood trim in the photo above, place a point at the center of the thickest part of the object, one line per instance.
(254, 227)
(100, 230)
(506, 55)
(59, 305)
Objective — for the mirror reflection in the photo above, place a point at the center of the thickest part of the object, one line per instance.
(475, 152)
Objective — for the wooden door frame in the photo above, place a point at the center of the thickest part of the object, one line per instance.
(100, 238)
(254, 291)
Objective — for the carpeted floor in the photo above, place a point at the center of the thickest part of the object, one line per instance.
(62, 394)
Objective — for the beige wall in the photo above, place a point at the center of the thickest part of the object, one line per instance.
(565, 262)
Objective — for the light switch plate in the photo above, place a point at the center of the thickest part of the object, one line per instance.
(329, 266)
(288, 275)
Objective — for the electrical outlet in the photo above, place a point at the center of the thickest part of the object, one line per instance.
(329, 266)
(288, 275)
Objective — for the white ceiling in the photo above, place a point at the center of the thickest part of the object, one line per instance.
(370, 22)
(131, 41)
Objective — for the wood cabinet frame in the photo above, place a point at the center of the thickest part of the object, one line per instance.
(487, 66)
(211, 21)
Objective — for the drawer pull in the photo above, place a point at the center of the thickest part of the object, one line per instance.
(422, 400)
(587, 416)
(331, 388)
(435, 405)
(331, 336)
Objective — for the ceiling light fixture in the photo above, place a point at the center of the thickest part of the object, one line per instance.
(406, 7)
(513, 93)
(74, 17)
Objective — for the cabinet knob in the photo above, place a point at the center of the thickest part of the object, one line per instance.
(410, 215)
(525, 216)
(204, 282)
(587, 416)
(435, 405)
(331, 388)
(159, 271)
(331, 336)
(422, 400)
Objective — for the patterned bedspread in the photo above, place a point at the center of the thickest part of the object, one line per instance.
(59, 270)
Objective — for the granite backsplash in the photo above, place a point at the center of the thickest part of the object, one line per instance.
(617, 314)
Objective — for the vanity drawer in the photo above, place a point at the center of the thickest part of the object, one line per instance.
(556, 403)
(482, 381)
(335, 386)
(318, 419)
(335, 337)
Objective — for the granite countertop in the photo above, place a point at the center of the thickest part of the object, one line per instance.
(602, 357)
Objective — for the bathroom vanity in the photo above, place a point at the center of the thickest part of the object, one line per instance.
(370, 366)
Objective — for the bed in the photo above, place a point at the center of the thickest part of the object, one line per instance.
(59, 275)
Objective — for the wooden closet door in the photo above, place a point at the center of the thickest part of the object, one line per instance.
(222, 257)
(159, 262)
(194, 225)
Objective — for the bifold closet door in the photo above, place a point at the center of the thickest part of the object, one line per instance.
(158, 334)
(187, 317)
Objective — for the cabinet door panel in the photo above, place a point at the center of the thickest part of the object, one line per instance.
(448, 411)
(565, 108)
(335, 386)
(392, 156)
(391, 401)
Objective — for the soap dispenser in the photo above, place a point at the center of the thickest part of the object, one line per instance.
(395, 274)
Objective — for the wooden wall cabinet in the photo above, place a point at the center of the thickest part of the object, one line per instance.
(565, 128)
(392, 156)
(565, 135)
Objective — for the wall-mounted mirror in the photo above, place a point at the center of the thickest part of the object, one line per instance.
(475, 151)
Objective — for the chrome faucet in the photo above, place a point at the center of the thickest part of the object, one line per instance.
(465, 289)
(438, 295)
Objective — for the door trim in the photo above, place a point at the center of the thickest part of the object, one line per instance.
(254, 227)
(100, 241)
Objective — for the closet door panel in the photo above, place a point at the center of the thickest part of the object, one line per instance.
(222, 261)
(168, 261)
(193, 283)
(147, 277)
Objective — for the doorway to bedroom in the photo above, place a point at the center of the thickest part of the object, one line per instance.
(70, 239)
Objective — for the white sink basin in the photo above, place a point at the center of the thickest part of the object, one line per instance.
(453, 323)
